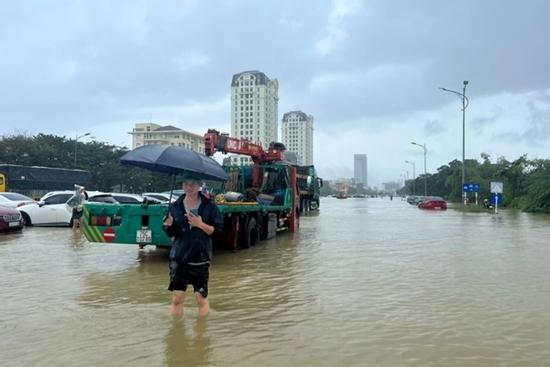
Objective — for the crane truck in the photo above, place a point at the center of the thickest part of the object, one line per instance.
(268, 202)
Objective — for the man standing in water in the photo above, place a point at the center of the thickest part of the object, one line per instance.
(191, 222)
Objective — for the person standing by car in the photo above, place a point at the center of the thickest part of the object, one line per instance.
(77, 202)
(191, 222)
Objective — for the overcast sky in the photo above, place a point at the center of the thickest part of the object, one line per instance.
(368, 71)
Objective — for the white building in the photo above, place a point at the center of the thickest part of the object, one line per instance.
(254, 109)
(297, 131)
(149, 133)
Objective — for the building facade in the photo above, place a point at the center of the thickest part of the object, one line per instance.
(254, 109)
(149, 133)
(297, 135)
(360, 168)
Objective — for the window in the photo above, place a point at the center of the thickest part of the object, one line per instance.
(57, 199)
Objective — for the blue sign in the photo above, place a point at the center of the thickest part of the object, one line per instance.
(470, 187)
(496, 199)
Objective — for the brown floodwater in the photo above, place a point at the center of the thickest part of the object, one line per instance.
(366, 282)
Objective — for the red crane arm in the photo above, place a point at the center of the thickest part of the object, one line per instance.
(216, 142)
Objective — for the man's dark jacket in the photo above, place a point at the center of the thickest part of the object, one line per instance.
(192, 245)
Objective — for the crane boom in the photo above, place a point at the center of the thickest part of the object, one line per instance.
(214, 142)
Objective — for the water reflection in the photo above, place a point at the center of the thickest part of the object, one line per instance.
(187, 343)
(145, 282)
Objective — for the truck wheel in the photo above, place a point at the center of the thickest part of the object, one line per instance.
(252, 234)
(26, 219)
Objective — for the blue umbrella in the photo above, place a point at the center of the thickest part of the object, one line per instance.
(174, 160)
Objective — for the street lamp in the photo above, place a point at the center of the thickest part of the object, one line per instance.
(76, 145)
(414, 176)
(423, 146)
(465, 103)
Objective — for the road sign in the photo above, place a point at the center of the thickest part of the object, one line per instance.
(497, 187)
(496, 199)
(470, 187)
(109, 235)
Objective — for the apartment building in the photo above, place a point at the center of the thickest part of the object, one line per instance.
(254, 109)
(297, 135)
(149, 133)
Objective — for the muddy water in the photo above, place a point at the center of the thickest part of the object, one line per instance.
(367, 282)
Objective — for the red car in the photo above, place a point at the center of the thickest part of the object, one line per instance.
(10, 219)
(433, 203)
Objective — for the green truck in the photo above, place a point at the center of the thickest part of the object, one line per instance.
(309, 188)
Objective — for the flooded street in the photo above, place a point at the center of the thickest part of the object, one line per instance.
(367, 282)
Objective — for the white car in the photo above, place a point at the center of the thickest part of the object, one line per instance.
(162, 196)
(124, 198)
(14, 199)
(52, 209)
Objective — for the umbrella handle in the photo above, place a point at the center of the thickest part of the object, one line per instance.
(171, 191)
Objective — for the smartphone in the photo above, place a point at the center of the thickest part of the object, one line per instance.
(195, 212)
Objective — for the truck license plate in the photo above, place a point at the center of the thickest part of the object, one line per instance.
(144, 236)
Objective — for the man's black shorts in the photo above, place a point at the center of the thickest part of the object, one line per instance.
(77, 214)
(190, 274)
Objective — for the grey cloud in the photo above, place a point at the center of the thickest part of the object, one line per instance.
(432, 128)
(538, 129)
(508, 137)
(479, 124)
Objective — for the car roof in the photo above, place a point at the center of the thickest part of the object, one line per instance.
(72, 192)
(136, 196)
(5, 196)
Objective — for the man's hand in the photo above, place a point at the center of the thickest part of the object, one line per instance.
(169, 220)
(194, 220)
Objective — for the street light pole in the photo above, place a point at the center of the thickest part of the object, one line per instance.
(76, 145)
(414, 177)
(465, 103)
(423, 146)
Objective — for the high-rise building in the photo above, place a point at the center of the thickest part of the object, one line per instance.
(297, 135)
(254, 109)
(360, 168)
(149, 133)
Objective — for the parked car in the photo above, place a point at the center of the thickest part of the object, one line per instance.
(124, 198)
(162, 196)
(52, 209)
(10, 219)
(14, 199)
(414, 200)
(433, 203)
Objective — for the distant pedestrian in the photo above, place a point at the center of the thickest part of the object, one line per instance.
(191, 222)
(76, 202)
